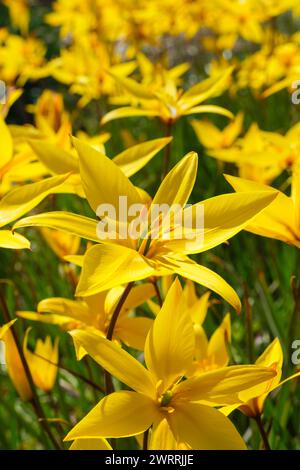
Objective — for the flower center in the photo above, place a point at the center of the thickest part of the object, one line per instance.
(166, 398)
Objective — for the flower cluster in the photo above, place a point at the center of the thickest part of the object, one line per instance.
(116, 225)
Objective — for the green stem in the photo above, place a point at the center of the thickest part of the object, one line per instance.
(157, 291)
(108, 379)
(145, 439)
(167, 156)
(35, 402)
(250, 339)
(262, 432)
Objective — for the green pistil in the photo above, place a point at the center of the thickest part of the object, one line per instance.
(166, 398)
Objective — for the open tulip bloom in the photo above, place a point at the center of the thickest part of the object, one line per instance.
(281, 220)
(162, 242)
(253, 400)
(173, 408)
(169, 103)
(95, 313)
(42, 363)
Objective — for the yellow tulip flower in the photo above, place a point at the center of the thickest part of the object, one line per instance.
(87, 74)
(259, 155)
(42, 363)
(14, 364)
(212, 138)
(95, 313)
(62, 244)
(160, 396)
(281, 219)
(154, 76)
(170, 103)
(122, 259)
(253, 400)
(273, 67)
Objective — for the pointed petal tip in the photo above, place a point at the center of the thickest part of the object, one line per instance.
(238, 308)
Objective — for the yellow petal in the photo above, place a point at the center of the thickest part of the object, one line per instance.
(224, 217)
(222, 386)
(291, 377)
(280, 85)
(71, 186)
(107, 266)
(162, 438)
(46, 318)
(154, 307)
(296, 194)
(273, 353)
(204, 276)
(90, 444)
(136, 89)
(208, 134)
(62, 244)
(138, 295)
(75, 224)
(201, 345)
(133, 331)
(198, 309)
(12, 240)
(103, 181)
(204, 428)
(227, 410)
(15, 367)
(43, 362)
(233, 129)
(116, 361)
(57, 160)
(65, 307)
(75, 259)
(218, 343)
(21, 200)
(127, 111)
(120, 414)
(271, 357)
(212, 86)
(168, 356)
(209, 108)
(4, 328)
(178, 184)
(277, 220)
(189, 293)
(134, 158)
